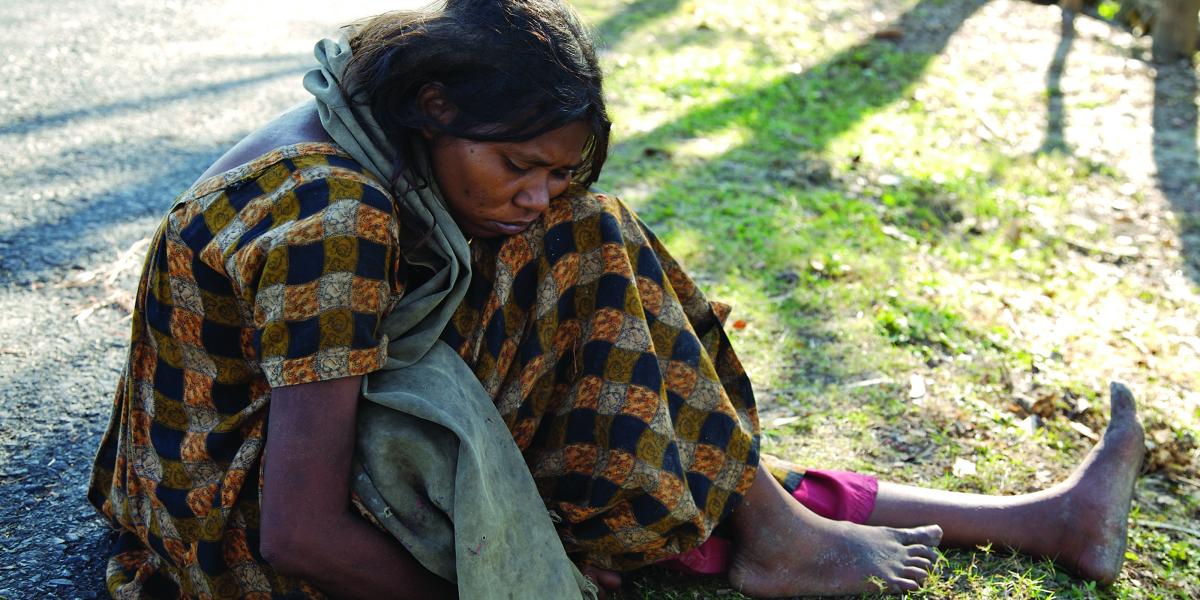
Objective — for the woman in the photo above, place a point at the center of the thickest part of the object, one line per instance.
(463, 141)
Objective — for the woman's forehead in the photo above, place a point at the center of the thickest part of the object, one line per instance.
(562, 147)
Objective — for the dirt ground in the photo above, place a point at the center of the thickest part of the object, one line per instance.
(108, 111)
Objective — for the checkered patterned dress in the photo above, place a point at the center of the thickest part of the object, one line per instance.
(276, 273)
(616, 379)
(609, 367)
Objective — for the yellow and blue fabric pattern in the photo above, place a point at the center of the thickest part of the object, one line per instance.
(616, 379)
(276, 273)
(610, 369)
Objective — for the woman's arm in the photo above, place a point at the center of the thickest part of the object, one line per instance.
(308, 528)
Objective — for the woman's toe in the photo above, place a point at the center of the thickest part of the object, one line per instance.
(919, 562)
(903, 585)
(929, 535)
(914, 574)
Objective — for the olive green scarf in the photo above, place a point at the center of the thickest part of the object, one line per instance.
(422, 313)
(435, 464)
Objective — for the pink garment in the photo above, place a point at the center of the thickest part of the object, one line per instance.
(838, 495)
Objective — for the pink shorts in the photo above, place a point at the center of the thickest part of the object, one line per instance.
(838, 495)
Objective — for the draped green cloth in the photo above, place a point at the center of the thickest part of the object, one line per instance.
(435, 464)
(422, 313)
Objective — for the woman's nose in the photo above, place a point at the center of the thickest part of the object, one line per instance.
(535, 197)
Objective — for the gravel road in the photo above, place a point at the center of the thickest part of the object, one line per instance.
(107, 111)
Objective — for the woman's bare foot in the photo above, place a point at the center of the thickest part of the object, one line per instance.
(784, 549)
(1080, 523)
(1094, 509)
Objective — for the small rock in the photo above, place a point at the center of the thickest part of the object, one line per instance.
(963, 468)
(1030, 424)
(916, 387)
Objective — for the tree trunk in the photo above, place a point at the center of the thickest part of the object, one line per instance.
(1175, 30)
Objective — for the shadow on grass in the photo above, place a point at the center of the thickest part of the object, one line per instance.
(631, 17)
(1175, 153)
(806, 111)
(786, 119)
(1056, 119)
(1176, 148)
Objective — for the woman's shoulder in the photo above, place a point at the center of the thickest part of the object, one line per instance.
(292, 143)
(279, 196)
(283, 165)
(296, 194)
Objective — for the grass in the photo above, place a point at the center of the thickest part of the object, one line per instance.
(880, 210)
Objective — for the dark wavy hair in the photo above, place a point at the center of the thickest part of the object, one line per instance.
(513, 70)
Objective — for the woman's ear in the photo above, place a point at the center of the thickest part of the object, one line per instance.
(433, 102)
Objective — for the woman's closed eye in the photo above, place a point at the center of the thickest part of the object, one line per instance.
(514, 167)
(520, 169)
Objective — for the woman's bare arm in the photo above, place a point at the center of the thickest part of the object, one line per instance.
(308, 527)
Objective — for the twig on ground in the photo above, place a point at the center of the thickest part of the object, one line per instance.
(869, 382)
(993, 128)
(1187, 480)
(1167, 526)
(1117, 256)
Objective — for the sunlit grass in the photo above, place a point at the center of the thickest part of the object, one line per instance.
(876, 211)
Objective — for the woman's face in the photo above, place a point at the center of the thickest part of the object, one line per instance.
(501, 188)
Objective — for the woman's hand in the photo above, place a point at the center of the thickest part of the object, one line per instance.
(308, 527)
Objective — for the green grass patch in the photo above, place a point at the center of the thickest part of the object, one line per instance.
(869, 221)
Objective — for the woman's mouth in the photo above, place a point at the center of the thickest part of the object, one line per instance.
(511, 228)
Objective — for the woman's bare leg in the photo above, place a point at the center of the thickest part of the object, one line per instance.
(785, 549)
(1081, 522)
